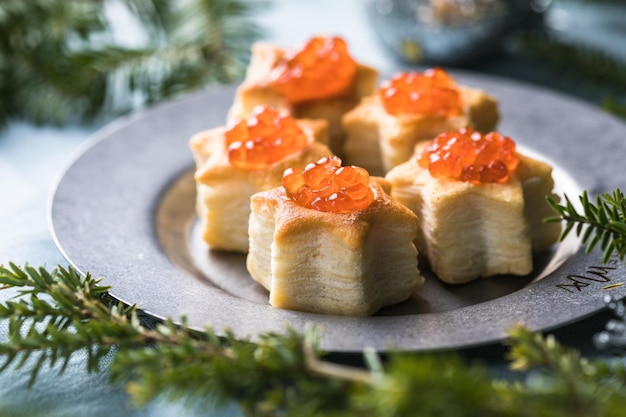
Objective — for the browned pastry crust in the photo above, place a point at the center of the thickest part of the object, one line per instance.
(478, 230)
(348, 264)
(224, 190)
(255, 91)
(378, 141)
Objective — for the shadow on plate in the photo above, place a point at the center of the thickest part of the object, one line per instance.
(179, 233)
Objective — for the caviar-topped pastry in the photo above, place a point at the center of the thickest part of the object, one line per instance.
(481, 204)
(411, 107)
(320, 80)
(247, 157)
(332, 241)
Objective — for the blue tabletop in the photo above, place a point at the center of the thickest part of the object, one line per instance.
(32, 158)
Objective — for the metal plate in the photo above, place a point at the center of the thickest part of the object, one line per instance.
(124, 210)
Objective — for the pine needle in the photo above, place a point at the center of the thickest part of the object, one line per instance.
(60, 61)
(601, 224)
(60, 312)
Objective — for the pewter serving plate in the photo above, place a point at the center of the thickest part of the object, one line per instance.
(124, 210)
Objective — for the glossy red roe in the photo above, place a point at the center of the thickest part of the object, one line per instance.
(327, 186)
(469, 155)
(265, 138)
(433, 92)
(321, 69)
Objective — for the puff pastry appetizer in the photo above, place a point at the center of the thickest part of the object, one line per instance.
(332, 241)
(319, 81)
(480, 203)
(250, 156)
(411, 107)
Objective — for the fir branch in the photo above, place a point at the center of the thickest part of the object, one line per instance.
(60, 60)
(596, 67)
(589, 63)
(602, 224)
(615, 106)
(168, 360)
(60, 312)
(34, 37)
(566, 383)
(66, 320)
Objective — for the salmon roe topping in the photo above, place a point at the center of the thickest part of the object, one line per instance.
(265, 138)
(327, 186)
(322, 68)
(469, 155)
(431, 92)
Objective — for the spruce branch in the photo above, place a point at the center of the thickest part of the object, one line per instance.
(568, 384)
(602, 224)
(53, 318)
(615, 106)
(589, 63)
(60, 312)
(597, 67)
(62, 61)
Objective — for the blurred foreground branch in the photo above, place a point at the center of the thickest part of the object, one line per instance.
(60, 312)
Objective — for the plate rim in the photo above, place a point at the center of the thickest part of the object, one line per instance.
(110, 130)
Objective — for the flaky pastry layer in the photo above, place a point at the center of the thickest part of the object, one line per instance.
(346, 264)
(478, 230)
(224, 190)
(379, 141)
(254, 91)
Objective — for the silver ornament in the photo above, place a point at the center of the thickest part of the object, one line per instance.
(450, 32)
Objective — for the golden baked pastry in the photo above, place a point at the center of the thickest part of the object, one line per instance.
(350, 263)
(262, 72)
(224, 189)
(469, 229)
(378, 140)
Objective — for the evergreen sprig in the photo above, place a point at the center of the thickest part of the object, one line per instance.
(601, 224)
(60, 312)
(63, 61)
(593, 65)
(567, 383)
(604, 71)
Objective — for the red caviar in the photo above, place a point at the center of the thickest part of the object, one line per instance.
(265, 138)
(322, 68)
(327, 186)
(432, 92)
(469, 155)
